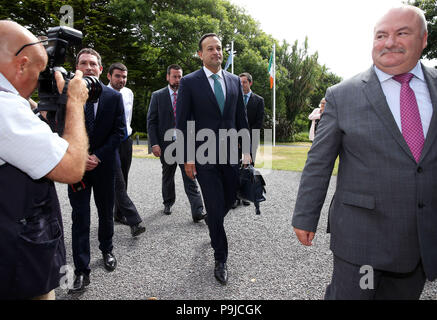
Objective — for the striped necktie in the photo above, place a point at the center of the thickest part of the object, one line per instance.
(175, 98)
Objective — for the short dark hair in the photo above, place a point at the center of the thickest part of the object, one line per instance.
(207, 35)
(118, 66)
(247, 75)
(89, 51)
(174, 67)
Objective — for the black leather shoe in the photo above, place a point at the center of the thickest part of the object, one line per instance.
(120, 219)
(199, 217)
(221, 272)
(80, 282)
(246, 203)
(137, 229)
(167, 209)
(109, 261)
(236, 204)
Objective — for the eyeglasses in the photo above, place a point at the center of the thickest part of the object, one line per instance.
(42, 39)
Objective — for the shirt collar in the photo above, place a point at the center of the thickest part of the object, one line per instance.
(171, 90)
(5, 85)
(416, 71)
(209, 73)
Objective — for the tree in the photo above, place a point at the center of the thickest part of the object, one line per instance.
(430, 9)
(149, 35)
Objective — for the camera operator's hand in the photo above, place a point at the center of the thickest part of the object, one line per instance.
(71, 168)
(77, 89)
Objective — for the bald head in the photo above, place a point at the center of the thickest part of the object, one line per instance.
(13, 37)
(414, 12)
(21, 70)
(399, 39)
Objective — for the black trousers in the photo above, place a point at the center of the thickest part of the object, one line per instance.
(124, 207)
(219, 185)
(101, 181)
(190, 187)
(348, 283)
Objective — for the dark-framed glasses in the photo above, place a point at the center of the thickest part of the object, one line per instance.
(41, 39)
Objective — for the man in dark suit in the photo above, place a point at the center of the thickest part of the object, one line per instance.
(255, 116)
(383, 125)
(161, 117)
(105, 126)
(213, 99)
(125, 211)
(254, 107)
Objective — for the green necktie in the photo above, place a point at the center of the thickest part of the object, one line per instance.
(246, 98)
(218, 91)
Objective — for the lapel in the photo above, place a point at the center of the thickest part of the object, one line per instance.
(228, 83)
(375, 95)
(166, 99)
(101, 103)
(206, 87)
(431, 80)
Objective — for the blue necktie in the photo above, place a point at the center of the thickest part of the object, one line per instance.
(89, 118)
(218, 91)
(246, 98)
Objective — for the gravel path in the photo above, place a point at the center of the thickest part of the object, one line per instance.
(173, 259)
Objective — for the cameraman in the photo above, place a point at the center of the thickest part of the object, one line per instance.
(32, 157)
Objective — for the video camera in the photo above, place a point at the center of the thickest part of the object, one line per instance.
(59, 38)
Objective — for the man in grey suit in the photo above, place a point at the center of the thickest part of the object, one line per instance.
(383, 125)
(161, 117)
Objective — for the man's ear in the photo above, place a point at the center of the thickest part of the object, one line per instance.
(109, 76)
(21, 64)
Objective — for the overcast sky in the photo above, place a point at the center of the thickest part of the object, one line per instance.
(340, 30)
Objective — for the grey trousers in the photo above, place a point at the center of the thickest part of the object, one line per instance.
(190, 186)
(348, 283)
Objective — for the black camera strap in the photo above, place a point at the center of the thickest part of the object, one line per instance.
(62, 103)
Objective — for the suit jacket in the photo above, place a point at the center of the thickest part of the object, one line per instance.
(196, 100)
(384, 212)
(255, 111)
(109, 127)
(160, 118)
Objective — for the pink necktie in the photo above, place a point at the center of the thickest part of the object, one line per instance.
(175, 96)
(410, 117)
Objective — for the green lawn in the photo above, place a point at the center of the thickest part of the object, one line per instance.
(290, 158)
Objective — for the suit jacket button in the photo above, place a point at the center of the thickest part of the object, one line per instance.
(419, 169)
(421, 205)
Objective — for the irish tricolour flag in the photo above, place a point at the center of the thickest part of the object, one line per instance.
(271, 71)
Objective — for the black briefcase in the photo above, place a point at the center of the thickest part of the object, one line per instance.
(252, 185)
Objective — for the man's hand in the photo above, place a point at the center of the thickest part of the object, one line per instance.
(305, 237)
(92, 162)
(190, 170)
(77, 89)
(75, 161)
(247, 159)
(156, 150)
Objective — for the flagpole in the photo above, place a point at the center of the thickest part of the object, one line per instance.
(232, 53)
(274, 94)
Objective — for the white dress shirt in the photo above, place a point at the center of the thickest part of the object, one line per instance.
(211, 80)
(392, 92)
(26, 142)
(128, 102)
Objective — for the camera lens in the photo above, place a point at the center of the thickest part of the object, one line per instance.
(94, 88)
